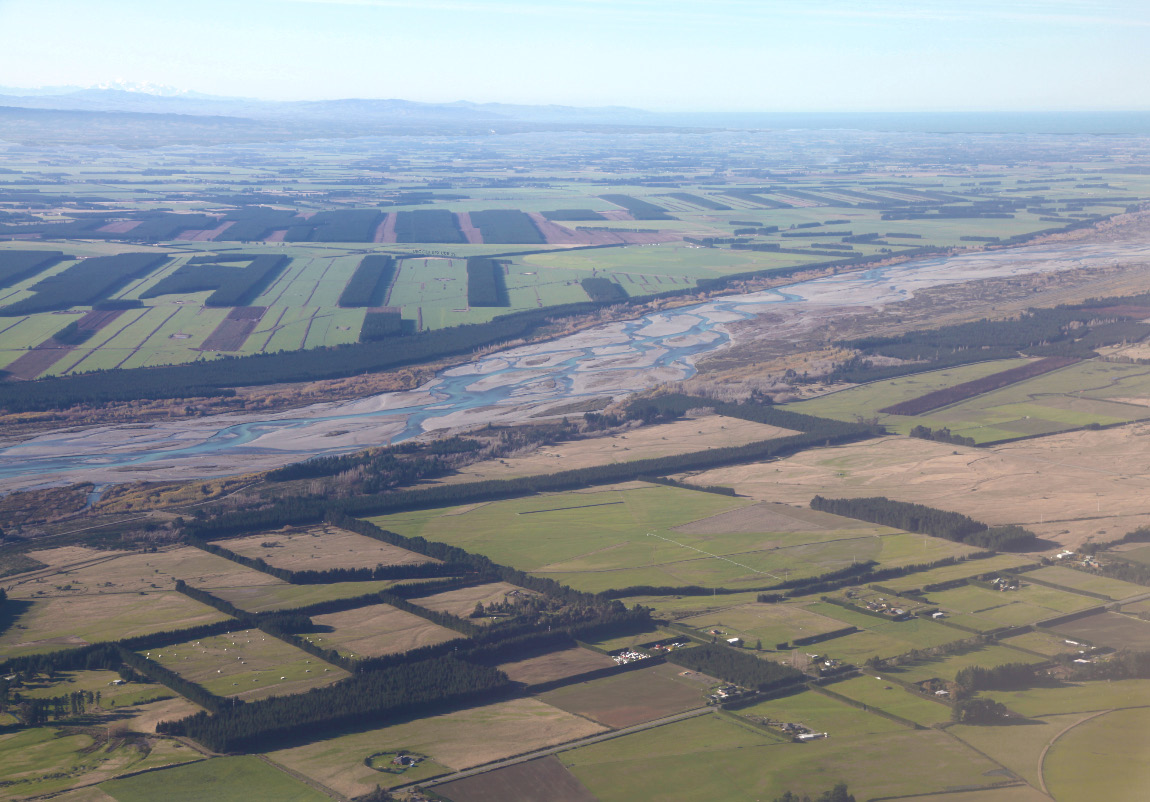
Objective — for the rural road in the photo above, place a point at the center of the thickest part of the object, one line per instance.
(551, 750)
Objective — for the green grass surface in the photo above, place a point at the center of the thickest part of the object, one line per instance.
(730, 762)
(890, 697)
(821, 713)
(1018, 745)
(599, 540)
(223, 779)
(985, 610)
(948, 667)
(247, 663)
(1107, 757)
(962, 570)
(1080, 580)
(1087, 392)
(1081, 697)
(46, 760)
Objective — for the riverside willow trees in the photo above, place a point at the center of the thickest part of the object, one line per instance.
(929, 521)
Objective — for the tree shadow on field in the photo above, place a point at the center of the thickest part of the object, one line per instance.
(11, 611)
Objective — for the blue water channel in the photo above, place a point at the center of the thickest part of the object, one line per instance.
(539, 375)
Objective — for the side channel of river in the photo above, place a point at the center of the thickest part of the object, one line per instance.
(614, 359)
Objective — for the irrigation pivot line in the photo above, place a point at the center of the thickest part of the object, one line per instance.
(716, 556)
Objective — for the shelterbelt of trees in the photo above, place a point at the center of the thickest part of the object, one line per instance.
(929, 521)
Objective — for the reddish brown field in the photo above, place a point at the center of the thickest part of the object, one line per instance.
(617, 214)
(1109, 629)
(961, 392)
(122, 227)
(473, 234)
(632, 698)
(386, 230)
(205, 234)
(540, 780)
(556, 665)
(276, 236)
(49, 352)
(234, 330)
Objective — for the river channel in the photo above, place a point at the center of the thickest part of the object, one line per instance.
(614, 359)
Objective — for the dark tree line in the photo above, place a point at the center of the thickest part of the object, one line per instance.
(739, 667)
(928, 521)
(366, 699)
(297, 510)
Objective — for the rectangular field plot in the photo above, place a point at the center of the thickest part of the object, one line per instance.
(1080, 580)
(376, 630)
(892, 698)
(962, 570)
(984, 610)
(636, 535)
(227, 779)
(109, 572)
(283, 596)
(948, 667)
(1045, 643)
(819, 713)
(770, 623)
(732, 762)
(544, 778)
(453, 741)
(634, 697)
(248, 664)
(47, 625)
(1109, 629)
(461, 602)
(321, 548)
(1078, 697)
(111, 696)
(555, 665)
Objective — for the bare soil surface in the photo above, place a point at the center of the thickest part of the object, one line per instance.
(474, 235)
(631, 698)
(542, 780)
(1109, 629)
(462, 602)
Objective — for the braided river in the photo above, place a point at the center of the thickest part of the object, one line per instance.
(614, 359)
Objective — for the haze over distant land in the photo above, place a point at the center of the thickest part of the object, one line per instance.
(677, 55)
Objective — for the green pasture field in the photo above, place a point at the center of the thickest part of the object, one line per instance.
(1044, 643)
(248, 663)
(453, 741)
(1018, 745)
(733, 763)
(598, 540)
(963, 570)
(770, 623)
(127, 694)
(1140, 554)
(225, 779)
(47, 760)
(1080, 580)
(1087, 392)
(59, 622)
(1107, 757)
(1077, 697)
(984, 610)
(880, 693)
(947, 668)
(285, 596)
(821, 713)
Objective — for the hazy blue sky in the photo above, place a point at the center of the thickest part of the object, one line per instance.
(735, 55)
